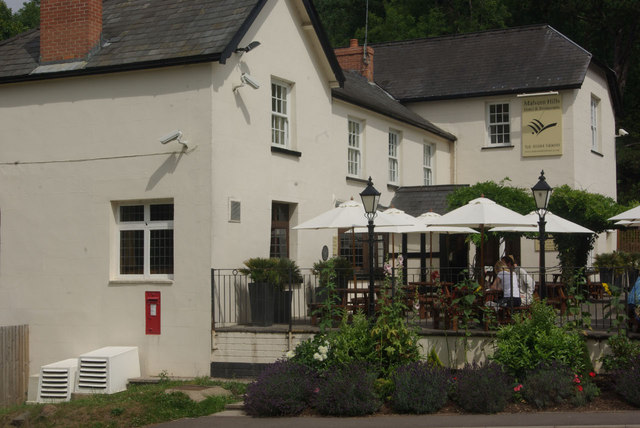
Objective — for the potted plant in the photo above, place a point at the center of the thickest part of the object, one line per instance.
(610, 266)
(262, 273)
(343, 270)
(287, 273)
(269, 293)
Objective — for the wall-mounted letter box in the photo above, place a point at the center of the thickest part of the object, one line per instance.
(152, 312)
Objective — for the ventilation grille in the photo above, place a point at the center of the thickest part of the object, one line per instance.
(54, 384)
(92, 373)
(234, 211)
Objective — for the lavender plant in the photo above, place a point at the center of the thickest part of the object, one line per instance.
(284, 388)
(627, 382)
(420, 387)
(347, 391)
(484, 388)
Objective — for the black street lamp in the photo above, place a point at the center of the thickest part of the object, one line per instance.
(370, 197)
(541, 194)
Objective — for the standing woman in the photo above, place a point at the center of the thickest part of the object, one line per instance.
(506, 281)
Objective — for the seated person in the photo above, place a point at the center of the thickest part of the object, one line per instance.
(506, 281)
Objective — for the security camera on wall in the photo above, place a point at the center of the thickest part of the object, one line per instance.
(246, 78)
(176, 135)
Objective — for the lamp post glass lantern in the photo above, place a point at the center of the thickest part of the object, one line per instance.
(370, 197)
(541, 193)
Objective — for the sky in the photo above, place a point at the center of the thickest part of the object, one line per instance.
(14, 5)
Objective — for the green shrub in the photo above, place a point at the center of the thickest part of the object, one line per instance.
(284, 388)
(627, 382)
(347, 391)
(420, 388)
(547, 385)
(623, 351)
(526, 343)
(482, 388)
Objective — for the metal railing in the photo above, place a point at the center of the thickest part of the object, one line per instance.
(577, 295)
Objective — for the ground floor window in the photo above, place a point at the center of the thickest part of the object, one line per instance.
(280, 215)
(145, 239)
(356, 249)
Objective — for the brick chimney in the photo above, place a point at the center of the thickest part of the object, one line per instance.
(352, 58)
(69, 29)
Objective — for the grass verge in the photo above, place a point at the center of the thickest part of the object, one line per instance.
(139, 405)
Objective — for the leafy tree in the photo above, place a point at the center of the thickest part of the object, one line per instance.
(12, 24)
(590, 210)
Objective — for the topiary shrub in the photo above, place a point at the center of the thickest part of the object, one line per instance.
(482, 388)
(549, 384)
(420, 388)
(627, 382)
(347, 391)
(284, 388)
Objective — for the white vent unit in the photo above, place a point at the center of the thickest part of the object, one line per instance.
(107, 370)
(56, 381)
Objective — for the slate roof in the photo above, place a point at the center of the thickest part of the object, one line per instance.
(522, 59)
(416, 200)
(359, 91)
(143, 34)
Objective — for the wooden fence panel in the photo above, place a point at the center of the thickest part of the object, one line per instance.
(14, 364)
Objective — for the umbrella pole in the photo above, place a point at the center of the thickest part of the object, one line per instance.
(482, 255)
(353, 255)
(430, 251)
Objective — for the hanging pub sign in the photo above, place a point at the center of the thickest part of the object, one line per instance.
(542, 125)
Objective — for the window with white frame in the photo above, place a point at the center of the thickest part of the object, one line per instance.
(394, 166)
(145, 239)
(498, 123)
(595, 137)
(427, 164)
(280, 114)
(354, 161)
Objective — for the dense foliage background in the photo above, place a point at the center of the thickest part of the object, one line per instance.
(608, 29)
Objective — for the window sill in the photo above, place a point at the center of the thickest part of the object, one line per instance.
(392, 187)
(142, 281)
(597, 153)
(356, 179)
(282, 150)
(498, 146)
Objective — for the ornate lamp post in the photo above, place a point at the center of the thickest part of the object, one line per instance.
(541, 194)
(370, 197)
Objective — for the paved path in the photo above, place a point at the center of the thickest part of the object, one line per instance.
(234, 419)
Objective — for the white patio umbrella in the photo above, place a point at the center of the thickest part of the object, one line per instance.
(421, 226)
(632, 215)
(481, 213)
(555, 224)
(350, 214)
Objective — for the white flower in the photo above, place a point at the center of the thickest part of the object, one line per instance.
(323, 350)
(290, 354)
(318, 357)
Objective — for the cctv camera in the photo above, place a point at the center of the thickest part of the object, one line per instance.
(250, 81)
(176, 135)
(622, 132)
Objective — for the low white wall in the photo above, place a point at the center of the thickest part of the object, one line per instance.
(267, 347)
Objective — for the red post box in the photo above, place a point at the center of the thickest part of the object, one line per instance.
(152, 312)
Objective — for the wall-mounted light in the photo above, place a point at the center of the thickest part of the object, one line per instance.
(249, 47)
(622, 133)
(174, 136)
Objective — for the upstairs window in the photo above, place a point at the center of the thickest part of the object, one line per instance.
(145, 235)
(427, 164)
(498, 126)
(394, 171)
(595, 136)
(354, 161)
(280, 114)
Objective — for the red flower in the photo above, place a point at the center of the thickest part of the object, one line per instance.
(579, 387)
(592, 374)
(518, 388)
